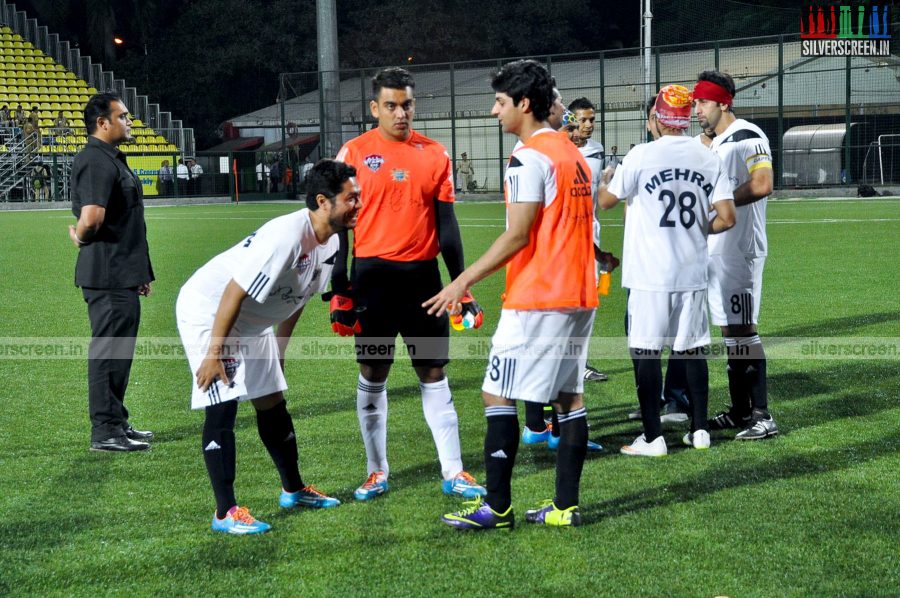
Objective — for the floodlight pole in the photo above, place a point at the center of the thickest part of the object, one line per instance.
(646, 47)
(326, 33)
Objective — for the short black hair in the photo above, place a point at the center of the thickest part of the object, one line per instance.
(719, 78)
(581, 104)
(100, 105)
(526, 79)
(326, 177)
(650, 104)
(393, 78)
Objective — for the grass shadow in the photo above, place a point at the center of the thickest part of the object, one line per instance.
(835, 326)
(731, 475)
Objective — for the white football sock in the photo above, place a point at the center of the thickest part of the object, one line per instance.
(440, 413)
(371, 410)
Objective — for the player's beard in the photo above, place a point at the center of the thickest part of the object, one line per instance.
(340, 224)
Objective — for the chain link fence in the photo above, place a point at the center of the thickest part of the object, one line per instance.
(830, 120)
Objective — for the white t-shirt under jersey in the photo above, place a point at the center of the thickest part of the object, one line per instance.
(669, 184)
(743, 148)
(281, 266)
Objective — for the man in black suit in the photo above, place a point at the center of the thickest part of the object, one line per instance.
(113, 267)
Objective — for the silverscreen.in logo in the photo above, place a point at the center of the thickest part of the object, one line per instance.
(845, 30)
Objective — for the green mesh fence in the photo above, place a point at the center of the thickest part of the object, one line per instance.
(830, 120)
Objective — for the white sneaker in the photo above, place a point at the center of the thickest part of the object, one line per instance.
(641, 448)
(698, 439)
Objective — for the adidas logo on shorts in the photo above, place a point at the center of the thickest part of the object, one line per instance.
(212, 446)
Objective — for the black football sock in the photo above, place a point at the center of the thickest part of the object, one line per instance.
(554, 424)
(276, 429)
(219, 453)
(501, 442)
(675, 385)
(737, 380)
(570, 456)
(696, 376)
(755, 375)
(534, 417)
(649, 390)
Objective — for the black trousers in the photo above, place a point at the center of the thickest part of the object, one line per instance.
(115, 315)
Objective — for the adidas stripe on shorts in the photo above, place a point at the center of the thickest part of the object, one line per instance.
(735, 289)
(251, 362)
(535, 354)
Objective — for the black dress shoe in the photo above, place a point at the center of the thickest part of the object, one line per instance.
(133, 434)
(118, 444)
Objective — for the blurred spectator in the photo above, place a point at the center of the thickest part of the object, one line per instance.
(62, 126)
(196, 172)
(262, 173)
(31, 135)
(307, 166)
(40, 181)
(613, 158)
(274, 176)
(465, 168)
(20, 117)
(4, 116)
(165, 179)
(183, 175)
(35, 117)
(288, 177)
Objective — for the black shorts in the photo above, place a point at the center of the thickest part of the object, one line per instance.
(390, 295)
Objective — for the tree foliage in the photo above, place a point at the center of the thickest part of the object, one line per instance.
(208, 60)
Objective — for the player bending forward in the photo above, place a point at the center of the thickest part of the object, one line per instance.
(226, 312)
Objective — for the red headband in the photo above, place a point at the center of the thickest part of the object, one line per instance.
(707, 90)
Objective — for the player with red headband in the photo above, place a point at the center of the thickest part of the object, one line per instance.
(737, 257)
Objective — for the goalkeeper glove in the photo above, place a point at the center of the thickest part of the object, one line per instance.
(344, 315)
(470, 314)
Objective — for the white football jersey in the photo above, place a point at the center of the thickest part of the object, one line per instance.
(669, 185)
(593, 155)
(743, 148)
(281, 266)
(534, 183)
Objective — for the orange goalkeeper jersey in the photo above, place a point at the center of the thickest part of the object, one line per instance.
(399, 181)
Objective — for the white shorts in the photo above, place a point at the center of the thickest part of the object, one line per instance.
(535, 355)
(735, 289)
(251, 363)
(657, 319)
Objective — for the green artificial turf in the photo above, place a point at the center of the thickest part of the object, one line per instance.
(812, 512)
